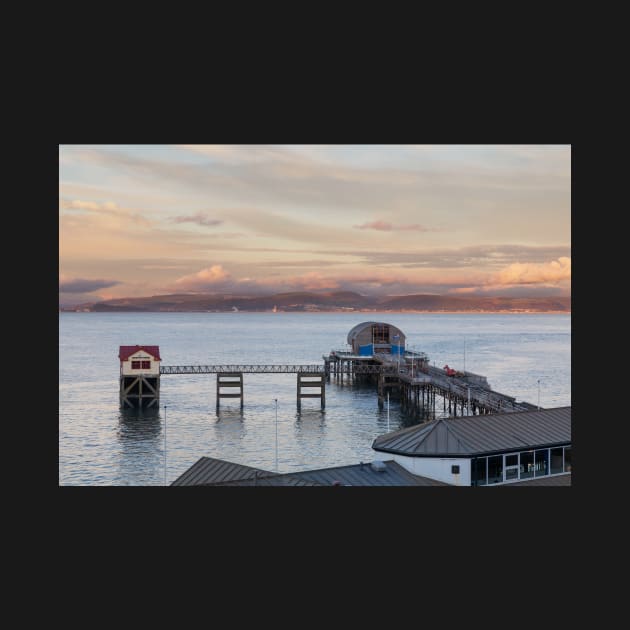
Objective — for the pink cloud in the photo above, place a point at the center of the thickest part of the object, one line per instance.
(386, 226)
(383, 226)
(464, 290)
(543, 276)
(538, 276)
(313, 281)
(535, 273)
(204, 279)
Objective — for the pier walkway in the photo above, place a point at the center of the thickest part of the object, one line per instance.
(271, 369)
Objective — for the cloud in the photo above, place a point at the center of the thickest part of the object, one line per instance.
(313, 281)
(385, 226)
(459, 181)
(211, 277)
(490, 256)
(525, 280)
(83, 285)
(107, 208)
(535, 273)
(200, 219)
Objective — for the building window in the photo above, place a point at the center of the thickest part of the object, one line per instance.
(556, 460)
(567, 459)
(495, 469)
(135, 365)
(511, 467)
(478, 471)
(499, 469)
(146, 365)
(380, 334)
(527, 464)
(541, 465)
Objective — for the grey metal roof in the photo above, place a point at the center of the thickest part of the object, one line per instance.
(209, 470)
(364, 475)
(272, 480)
(553, 480)
(474, 435)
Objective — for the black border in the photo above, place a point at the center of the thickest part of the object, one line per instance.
(476, 520)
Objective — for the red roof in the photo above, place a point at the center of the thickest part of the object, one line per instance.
(126, 351)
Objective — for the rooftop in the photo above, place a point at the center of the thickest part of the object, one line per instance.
(476, 435)
(209, 471)
(126, 351)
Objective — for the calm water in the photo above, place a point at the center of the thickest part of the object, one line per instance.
(100, 445)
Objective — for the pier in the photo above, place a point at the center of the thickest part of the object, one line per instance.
(376, 356)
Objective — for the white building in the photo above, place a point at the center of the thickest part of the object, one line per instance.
(139, 360)
(490, 449)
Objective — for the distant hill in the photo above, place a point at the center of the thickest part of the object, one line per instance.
(473, 303)
(327, 301)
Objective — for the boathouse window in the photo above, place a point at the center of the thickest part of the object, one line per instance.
(380, 334)
(141, 365)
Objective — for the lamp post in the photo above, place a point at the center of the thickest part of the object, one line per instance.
(164, 444)
(464, 355)
(538, 394)
(276, 401)
(387, 412)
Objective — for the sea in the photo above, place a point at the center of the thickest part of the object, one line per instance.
(527, 356)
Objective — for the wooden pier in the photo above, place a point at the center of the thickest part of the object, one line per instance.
(463, 395)
(376, 356)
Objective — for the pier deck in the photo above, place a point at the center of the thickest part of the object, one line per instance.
(456, 390)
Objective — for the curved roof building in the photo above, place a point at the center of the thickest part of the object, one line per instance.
(370, 337)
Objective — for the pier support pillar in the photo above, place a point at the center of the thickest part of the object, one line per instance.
(311, 380)
(231, 380)
(140, 392)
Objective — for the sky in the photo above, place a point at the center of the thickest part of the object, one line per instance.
(142, 220)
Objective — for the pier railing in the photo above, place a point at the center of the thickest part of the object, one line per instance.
(272, 369)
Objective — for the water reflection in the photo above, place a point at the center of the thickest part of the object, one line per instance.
(139, 424)
(230, 414)
(141, 454)
(310, 416)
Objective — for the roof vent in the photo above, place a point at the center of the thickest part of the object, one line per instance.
(378, 466)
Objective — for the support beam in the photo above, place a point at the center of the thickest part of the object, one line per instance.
(230, 380)
(313, 381)
(138, 392)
